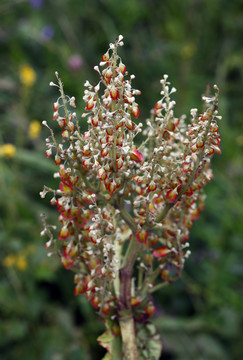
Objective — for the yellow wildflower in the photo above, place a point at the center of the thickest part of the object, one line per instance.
(9, 260)
(34, 129)
(7, 150)
(21, 262)
(27, 75)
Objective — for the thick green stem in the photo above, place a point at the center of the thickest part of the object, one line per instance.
(129, 338)
(132, 253)
(126, 319)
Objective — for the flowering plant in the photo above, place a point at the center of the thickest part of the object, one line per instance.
(125, 209)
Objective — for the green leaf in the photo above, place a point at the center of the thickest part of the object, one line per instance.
(149, 343)
(35, 160)
(107, 356)
(112, 344)
(105, 340)
(151, 328)
(12, 330)
(155, 348)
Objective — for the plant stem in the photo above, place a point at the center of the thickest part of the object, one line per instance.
(126, 319)
(129, 338)
(158, 287)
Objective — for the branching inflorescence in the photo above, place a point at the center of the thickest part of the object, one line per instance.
(126, 210)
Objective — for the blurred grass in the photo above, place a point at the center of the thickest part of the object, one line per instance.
(195, 42)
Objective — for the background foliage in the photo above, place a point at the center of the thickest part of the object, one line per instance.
(195, 42)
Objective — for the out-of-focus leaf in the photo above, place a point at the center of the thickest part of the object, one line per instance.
(35, 161)
(210, 348)
(12, 330)
(149, 342)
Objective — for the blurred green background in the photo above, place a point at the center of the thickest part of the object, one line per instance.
(195, 42)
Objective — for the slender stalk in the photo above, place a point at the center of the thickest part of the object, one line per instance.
(158, 287)
(164, 212)
(148, 280)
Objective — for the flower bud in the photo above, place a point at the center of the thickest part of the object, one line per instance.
(142, 236)
(105, 57)
(152, 186)
(111, 187)
(119, 163)
(135, 111)
(56, 106)
(94, 121)
(114, 93)
(122, 67)
(64, 233)
(58, 160)
(55, 115)
(80, 288)
(161, 252)
(136, 155)
(135, 301)
(129, 125)
(171, 195)
(150, 309)
(102, 174)
(106, 309)
(90, 104)
(95, 302)
(48, 153)
(72, 102)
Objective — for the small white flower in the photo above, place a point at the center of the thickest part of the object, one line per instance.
(43, 193)
(45, 123)
(72, 102)
(43, 232)
(87, 84)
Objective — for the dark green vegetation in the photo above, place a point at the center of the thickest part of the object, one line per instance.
(195, 43)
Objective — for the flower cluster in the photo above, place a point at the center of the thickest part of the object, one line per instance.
(18, 260)
(121, 204)
(169, 189)
(109, 149)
